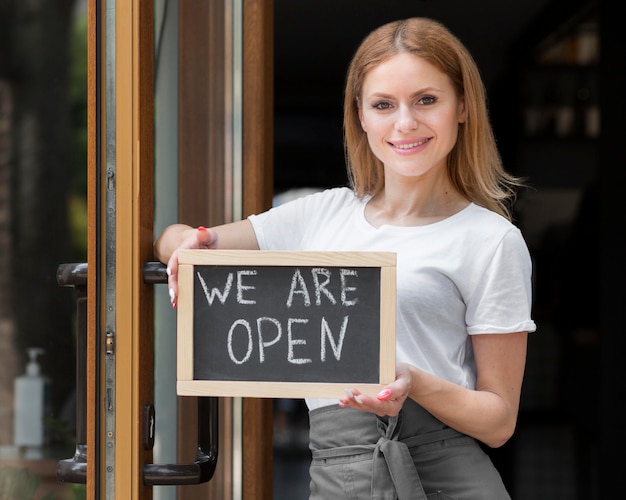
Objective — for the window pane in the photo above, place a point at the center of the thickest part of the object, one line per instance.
(43, 116)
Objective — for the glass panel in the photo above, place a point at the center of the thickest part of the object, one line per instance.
(43, 117)
(166, 185)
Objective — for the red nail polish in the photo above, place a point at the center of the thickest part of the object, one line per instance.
(201, 228)
(384, 395)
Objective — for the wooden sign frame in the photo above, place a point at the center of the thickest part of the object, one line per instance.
(188, 259)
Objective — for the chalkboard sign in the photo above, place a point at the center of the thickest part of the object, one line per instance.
(285, 324)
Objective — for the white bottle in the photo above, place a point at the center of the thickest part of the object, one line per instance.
(30, 401)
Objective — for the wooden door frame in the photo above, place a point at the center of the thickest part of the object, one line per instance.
(258, 175)
(134, 223)
(124, 340)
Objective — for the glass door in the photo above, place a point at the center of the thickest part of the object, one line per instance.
(43, 151)
(207, 164)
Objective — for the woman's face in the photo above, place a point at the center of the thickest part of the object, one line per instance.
(411, 114)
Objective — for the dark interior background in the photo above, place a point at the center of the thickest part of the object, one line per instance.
(315, 39)
(556, 107)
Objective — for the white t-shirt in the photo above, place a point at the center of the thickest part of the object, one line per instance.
(465, 275)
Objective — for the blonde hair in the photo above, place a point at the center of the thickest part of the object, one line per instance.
(474, 164)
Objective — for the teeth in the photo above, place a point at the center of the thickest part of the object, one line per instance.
(409, 146)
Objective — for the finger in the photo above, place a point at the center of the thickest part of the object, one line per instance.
(172, 264)
(347, 399)
(350, 399)
(206, 237)
(172, 290)
(172, 278)
(354, 395)
(384, 395)
(173, 298)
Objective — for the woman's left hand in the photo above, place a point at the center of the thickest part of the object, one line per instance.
(387, 402)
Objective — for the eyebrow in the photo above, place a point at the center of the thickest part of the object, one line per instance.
(414, 94)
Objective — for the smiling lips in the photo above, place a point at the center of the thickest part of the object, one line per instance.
(409, 145)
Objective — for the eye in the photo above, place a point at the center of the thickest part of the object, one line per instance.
(427, 100)
(381, 105)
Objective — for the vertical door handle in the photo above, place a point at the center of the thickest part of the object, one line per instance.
(203, 467)
(74, 470)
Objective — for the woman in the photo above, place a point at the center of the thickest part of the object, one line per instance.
(427, 183)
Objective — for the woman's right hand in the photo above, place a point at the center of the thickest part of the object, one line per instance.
(235, 235)
(185, 237)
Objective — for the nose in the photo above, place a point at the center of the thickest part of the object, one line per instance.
(406, 119)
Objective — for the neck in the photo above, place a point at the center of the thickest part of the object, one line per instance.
(414, 204)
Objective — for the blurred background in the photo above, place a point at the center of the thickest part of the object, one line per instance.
(551, 68)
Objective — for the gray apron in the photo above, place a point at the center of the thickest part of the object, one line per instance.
(414, 456)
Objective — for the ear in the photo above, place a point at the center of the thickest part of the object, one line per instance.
(462, 110)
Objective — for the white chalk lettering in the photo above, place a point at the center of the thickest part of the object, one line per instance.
(291, 342)
(298, 286)
(327, 334)
(221, 295)
(241, 287)
(262, 343)
(320, 286)
(231, 333)
(270, 332)
(345, 288)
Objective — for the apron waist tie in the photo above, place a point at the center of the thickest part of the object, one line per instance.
(393, 465)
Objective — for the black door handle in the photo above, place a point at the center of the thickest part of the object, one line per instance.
(74, 470)
(203, 467)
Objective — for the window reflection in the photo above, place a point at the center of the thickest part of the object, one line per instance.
(43, 116)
